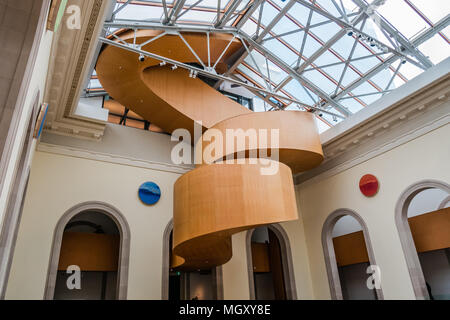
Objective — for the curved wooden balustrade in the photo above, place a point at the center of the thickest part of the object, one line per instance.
(212, 202)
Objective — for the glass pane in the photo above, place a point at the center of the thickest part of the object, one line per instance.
(284, 25)
(434, 10)
(200, 16)
(321, 126)
(299, 13)
(364, 88)
(259, 105)
(316, 77)
(140, 12)
(436, 48)
(300, 93)
(383, 78)
(408, 22)
(371, 99)
(249, 27)
(326, 31)
(351, 104)
(281, 51)
(252, 75)
(349, 77)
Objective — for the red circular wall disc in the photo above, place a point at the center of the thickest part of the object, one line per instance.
(368, 185)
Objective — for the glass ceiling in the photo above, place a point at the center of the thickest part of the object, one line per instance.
(330, 57)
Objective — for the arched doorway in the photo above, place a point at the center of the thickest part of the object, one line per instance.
(179, 284)
(269, 262)
(422, 216)
(348, 255)
(94, 239)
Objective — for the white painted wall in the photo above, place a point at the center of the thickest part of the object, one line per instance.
(396, 170)
(59, 182)
(234, 272)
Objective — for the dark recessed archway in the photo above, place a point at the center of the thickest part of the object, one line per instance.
(406, 238)
(285, 265)
(330, 255)
(211, 278)
(117, 221)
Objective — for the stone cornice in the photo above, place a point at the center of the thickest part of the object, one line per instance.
(72, 52)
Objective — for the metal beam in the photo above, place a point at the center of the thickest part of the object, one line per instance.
(207, 73)
(394, 33)
(259, 95)
(119, 9)
(190, 7)
(345, 25)
(248, 14)
(304, 81)
(305, 36)
(252, 44)
(156, 25)
(429, 33)
(173, 13)
(109, 15)
(275, 20)
(293, 73)
(231, 9)
(239, 60)
(363, 15)
(440, 25)
(326, 46)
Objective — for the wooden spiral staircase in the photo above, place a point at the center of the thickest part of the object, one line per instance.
(213, 201)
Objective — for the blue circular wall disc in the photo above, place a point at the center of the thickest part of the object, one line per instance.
(149, 193)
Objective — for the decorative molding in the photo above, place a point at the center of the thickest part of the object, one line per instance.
(428, 110)
(111, 158)
(376, 151)
(72, 52)
(82, 61)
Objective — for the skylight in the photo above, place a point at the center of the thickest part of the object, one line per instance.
(330, 57)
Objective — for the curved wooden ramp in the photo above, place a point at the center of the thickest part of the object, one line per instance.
(215, 200)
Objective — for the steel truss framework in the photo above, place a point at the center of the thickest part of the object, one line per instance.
(252, 69)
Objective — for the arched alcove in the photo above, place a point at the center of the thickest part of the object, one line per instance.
(278, 275)
(361, 237)
(208, 282)
(406, 237)
(69, 220)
